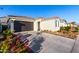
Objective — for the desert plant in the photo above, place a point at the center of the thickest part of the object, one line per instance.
(67, 28)
(62, 28)
(7, 33)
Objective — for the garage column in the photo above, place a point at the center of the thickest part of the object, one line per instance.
(11, 24)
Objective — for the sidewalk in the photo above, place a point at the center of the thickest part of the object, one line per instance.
(76, 45)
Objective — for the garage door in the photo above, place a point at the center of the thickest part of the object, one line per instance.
(23, 26)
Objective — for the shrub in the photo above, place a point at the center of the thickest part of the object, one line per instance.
(67, 28)
(76, 29)
(4, 27)
(7, 32)
(62, 28)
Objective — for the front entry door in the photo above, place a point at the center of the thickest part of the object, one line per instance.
(38, 26)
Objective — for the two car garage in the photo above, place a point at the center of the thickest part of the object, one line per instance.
(23, 26)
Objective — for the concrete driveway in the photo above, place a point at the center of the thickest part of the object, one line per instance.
(48, 43)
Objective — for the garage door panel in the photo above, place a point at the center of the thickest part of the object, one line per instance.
(23, 26)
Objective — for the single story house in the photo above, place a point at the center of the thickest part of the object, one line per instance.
(3, 23)
(50, 24)
(23, 23)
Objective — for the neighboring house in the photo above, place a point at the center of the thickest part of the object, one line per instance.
(3, 23)
(23, 23)
(72, 25)
(3, 20)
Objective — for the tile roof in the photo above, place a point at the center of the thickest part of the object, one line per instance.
(55, 17)
(21, 18)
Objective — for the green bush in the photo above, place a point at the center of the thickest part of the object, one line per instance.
(7, 32)
(76, 29)
(62, 28)
(65, 28)
(4, 27)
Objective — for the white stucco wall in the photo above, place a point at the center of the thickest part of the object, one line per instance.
(47, 25)
(36, 24)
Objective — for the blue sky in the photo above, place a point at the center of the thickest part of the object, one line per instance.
(68, 12)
